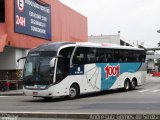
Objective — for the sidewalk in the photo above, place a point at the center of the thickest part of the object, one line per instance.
(12, 93)
(149, 77)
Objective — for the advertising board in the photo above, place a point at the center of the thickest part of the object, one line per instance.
(32, 17)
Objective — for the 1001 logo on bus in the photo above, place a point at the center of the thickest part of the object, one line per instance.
(112, 71)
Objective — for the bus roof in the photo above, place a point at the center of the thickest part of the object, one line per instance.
(51, 46)
(54, 46)
(106, 45)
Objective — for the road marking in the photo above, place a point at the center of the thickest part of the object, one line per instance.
(149, 90)
(144, 90)
(156, 90)
(3, 96)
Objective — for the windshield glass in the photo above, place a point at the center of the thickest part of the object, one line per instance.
(37, 68)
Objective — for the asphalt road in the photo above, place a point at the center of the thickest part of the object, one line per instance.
(145, 99)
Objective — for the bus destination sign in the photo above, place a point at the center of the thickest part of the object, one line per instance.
(32, 17)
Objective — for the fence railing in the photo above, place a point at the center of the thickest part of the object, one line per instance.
(7, 85)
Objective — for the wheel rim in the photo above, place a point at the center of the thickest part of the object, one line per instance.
(72, 92)
(127, 85)
(133, 84)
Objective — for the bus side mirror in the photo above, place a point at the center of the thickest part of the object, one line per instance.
(21, 59)
(52, 62)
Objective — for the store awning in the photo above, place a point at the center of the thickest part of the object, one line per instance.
(2, 42)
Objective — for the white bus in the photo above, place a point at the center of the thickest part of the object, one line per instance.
(71, 69)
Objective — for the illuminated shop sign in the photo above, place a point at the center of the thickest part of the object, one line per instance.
(32, 17)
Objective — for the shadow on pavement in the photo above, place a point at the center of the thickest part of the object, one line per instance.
(60, 99)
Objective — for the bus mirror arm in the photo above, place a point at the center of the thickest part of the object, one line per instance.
(59, 56)
(21, 58)
(52, 62)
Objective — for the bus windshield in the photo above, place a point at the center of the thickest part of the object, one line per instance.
(37, 68)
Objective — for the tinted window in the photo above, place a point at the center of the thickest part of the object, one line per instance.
(104, 55)
(63, 64)
(84, 55)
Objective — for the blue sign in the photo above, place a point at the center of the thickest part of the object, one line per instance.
(32, 17)
(77, 70)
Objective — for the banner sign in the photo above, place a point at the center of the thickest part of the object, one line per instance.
(32, 17)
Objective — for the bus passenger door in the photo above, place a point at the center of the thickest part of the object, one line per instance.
(63, 67)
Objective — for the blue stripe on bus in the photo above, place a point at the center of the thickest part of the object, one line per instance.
(110, 72)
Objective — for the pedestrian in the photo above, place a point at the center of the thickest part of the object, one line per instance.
(7, 84)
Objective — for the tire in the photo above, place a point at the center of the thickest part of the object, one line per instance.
(127, 85)
(73, 92)
(133, 84)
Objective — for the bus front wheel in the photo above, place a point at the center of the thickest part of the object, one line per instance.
(73, 91)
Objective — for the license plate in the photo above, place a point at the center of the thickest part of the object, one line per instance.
(35, 93)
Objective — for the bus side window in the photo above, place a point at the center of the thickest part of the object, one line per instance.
(142, 57)
(63, 64)
(79, 57)
(91, 55)
(84, 55)
(101, 55)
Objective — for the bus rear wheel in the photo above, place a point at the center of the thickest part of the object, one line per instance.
(73, 91)
(127, 85)
(133, 84)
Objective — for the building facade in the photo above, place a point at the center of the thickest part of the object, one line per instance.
(114, 39)
(25, 24)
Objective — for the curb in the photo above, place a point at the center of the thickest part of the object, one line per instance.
(45, 115)
(83, 116)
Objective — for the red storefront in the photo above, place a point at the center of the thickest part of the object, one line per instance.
(60, 23)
